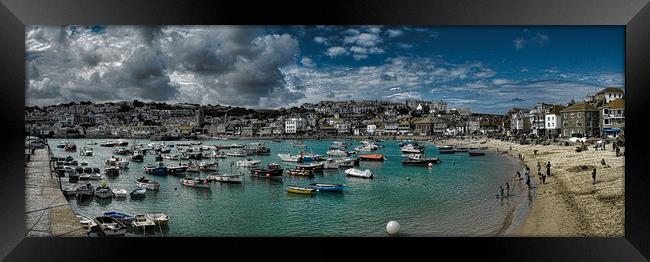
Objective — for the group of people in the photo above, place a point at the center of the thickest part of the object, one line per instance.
(542, 176)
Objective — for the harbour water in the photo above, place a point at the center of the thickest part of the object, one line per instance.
(456, 197)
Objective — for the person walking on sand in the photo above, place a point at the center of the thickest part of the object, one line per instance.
(539, 167)
(507, 189)
(593, 176)
(618, 151)
(543, 179)
(548, 168)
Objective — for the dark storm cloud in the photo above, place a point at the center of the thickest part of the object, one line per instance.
(208, 64)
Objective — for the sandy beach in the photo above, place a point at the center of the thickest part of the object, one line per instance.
(568, 204)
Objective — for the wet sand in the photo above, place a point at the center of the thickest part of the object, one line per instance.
(568, 204)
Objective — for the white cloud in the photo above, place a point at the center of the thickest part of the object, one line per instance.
(336, 51)
(363, 39)
(308, 62)
(393, 33)
(321, 40)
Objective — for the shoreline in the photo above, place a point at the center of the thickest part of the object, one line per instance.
(567, 205)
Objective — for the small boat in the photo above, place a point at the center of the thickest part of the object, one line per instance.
(69, 191)
(331, 164)
(420, 161)
(70, 147)
(142, 220)
(159, 170)
(337, 152)
(359, 173)
(327, 187)
(412, 149)
(203, 166)
(476, 153)
(121, 142)
(159, 218)
(61, 144)
(272, 170)
(120, 216)
(171, 157)
(461, 149)
(289, 158)
(85, 191)
(301, 190)
(299, 172)
(348, 162)
(109, 226)
(248, 163)
(372, 157)
(108, 144)
(123, 164)
(122, 152)
(276, 140)
(445, 147)
(91, 143)
(96, 170)
(147, 184)
(237, 154)
(79, 170)
(176, 170)
(87, 222)
(315, 167)
(299, 144)
(86, 151)
(84, 163)
(112, 171)
(236, 146)
(137, 157)
(195, 182)
(138, 193)
(226, 178)
(103, 191)
(120, 193)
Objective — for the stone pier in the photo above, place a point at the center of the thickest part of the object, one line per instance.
(47, 212)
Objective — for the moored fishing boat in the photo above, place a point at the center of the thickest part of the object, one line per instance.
(195, 182)
(348, 162)
(103, 191)
(142, 220)
(298, 172)
(359, 173)
(337, 152)
(327, 187)
(138, 193)
(447, 151)
(418, 160)
(123, 164)
(93, 176)
(372, 157)
(330, 164)
(86, 151)
(461, 149)
(109, 226)
(85, 191)
(147, 184)
(272, 170)
(86, 222)
(112, 171)
(289, 158)
(159, 170)
(108, 144)
(122, 151)
(137, 156)
(301, 190)
(120, 193)
(120, 216)
(226, 178)
(248, 163)
(204, 166)
(315, 167)
(445, 147)
(159, 218)
(71, 147)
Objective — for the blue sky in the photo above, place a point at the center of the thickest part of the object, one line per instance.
(486, 68)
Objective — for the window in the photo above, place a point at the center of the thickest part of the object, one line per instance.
(565, 124)
(578, 123)
(605, 111)
(564, 115)
(573, 115)
(578, 114)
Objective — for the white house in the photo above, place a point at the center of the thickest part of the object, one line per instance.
(370, 129)
(293, 125)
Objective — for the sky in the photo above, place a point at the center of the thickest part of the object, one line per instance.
(488, 69)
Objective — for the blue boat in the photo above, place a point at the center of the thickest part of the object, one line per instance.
(156, 171)
(122, 217)
(327, 187)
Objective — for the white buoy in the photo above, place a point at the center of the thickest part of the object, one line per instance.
(430, 164)
(392, 227)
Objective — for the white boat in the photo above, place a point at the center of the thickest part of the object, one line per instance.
(195, 182)
(238, 154)
(248, 163)
(142, 220)
(289, 158)
(337, 152)
(347, 162)
(86, 151)
(411, 149)
(147, 184)
(331, 164)
(203, 166)
(87, 222)
(120, 193)
(159, 218)
(123, 164)
(83, 163)
(103, 191)
(93, 176)
(110, 226)
(226, 178)
(359, 173)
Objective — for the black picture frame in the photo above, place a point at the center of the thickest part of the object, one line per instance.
(633, 14)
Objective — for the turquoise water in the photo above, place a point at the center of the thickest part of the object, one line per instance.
(453, 198)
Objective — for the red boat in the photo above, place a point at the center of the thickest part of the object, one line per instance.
(476, 153)
(372, 157)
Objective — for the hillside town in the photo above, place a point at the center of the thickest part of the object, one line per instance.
(600, 114)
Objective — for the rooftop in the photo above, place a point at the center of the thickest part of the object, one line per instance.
(616, 104)
(579, 107)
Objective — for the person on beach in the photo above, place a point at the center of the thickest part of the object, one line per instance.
(510, 149)
(518, 175)
(618, 151)
(507, 189)
(593, 176)
(602, 162)
(501, 190)
(528, 182)
(539, 167)
(543, 178)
